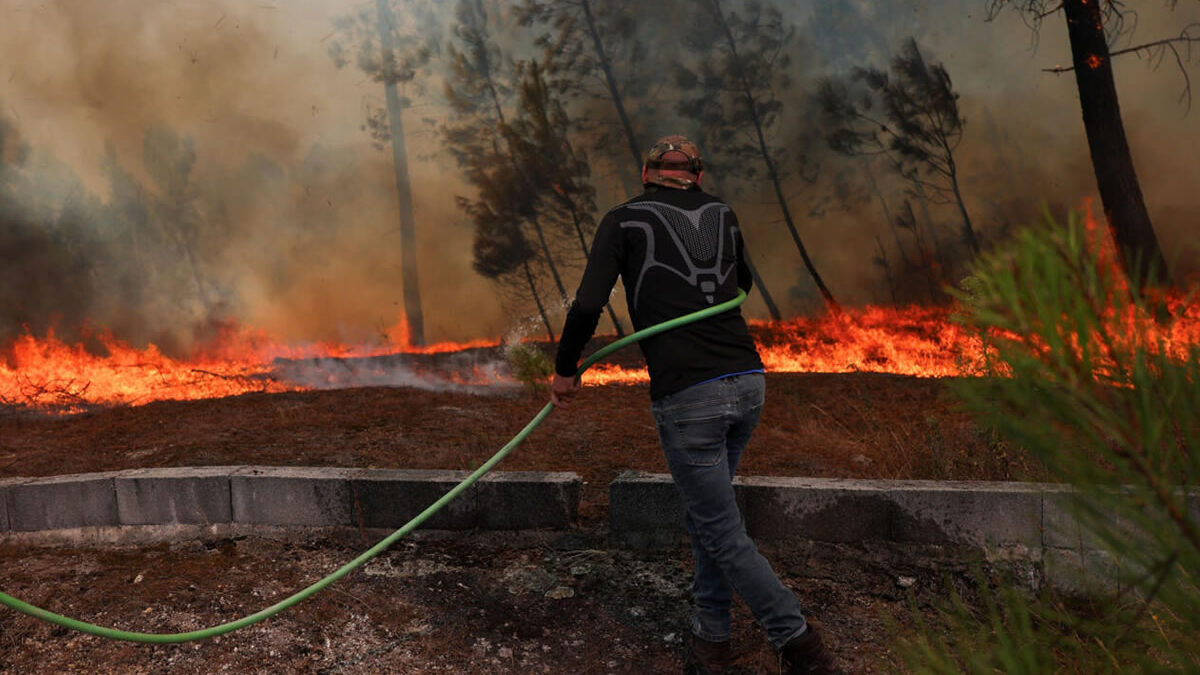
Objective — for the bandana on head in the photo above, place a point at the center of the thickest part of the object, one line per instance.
(674, 161)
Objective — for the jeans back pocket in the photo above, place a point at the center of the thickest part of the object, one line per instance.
(695, 438)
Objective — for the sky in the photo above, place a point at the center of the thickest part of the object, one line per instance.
(310, 248)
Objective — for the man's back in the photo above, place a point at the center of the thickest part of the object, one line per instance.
(677, 251)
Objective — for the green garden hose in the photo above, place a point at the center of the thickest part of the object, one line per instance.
(163, 638)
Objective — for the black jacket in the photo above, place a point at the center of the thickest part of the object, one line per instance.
(677, 251)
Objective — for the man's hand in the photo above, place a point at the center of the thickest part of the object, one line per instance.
(563, 389)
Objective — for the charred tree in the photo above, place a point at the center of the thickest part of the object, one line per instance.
(541, 144)
(1090, 27)
(392, 59)
(610, 81)
(918, 126)
(414, 316)
(169, 159)
(1116, 178)
(739, 63)
(501, 252)
(594, 51)
(479, 86)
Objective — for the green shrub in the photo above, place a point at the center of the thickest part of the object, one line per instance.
(1095, 384)
(529, 365)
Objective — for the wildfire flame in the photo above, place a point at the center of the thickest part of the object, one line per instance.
(48, 374)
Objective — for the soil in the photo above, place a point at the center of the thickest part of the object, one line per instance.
(473, 602)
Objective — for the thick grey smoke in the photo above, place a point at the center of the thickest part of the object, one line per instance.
(168, 168)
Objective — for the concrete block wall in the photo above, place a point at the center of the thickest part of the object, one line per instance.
(291, 496)
(62, 502)
(646, 507)
(389, 499)
(187, 496)
(645, 512)
(5, 484)
(527, 500)
(282, 497)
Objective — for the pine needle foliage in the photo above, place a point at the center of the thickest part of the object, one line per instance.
(530, 365)
(1101, 383)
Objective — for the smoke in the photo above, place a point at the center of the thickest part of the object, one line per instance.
(168, 168)
(467, 373)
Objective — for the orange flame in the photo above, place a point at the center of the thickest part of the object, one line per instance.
(48, 374)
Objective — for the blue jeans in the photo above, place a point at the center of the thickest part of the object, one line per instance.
(703, 430)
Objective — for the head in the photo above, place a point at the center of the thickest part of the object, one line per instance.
(674, 162)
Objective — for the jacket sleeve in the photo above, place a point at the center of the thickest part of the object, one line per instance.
(603, 267)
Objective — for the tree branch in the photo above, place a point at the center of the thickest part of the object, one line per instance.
(1157, 50)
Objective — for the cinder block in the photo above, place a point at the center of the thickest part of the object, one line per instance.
(975, 513)
(197, 495)
(1061, 528)
(644, 511)
(816, 509)
(518, 500)
(1075, 520)
(302, 496)
(390, 498)
(1081, 572)
(4, 485)
(62, 502)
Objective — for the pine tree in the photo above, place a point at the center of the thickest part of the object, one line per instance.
(909, 115)
(1091, 27)
(479, 87)
(540, 140)
(1092, 380)
(393, 55)
(595, 58)
(740, 64)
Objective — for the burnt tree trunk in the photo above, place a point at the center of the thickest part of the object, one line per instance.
(887, 213)
(772, 308)
(541, 235)
(772, 172)
(408, 234)
(761, 285)
(533, 219)
(613, 91)
(968, 232)
(1120, 193)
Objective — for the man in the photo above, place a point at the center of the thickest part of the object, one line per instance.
(678, 250)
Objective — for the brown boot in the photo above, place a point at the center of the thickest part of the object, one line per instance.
(706, 658)
(805, 654)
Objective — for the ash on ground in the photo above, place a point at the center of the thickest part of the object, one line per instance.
(439, 602)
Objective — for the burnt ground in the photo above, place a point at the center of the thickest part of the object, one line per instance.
(462, 603)
(472, 602)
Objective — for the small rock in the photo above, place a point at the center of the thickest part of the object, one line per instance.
(906, 582)
(560, 593)
(138, 579)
